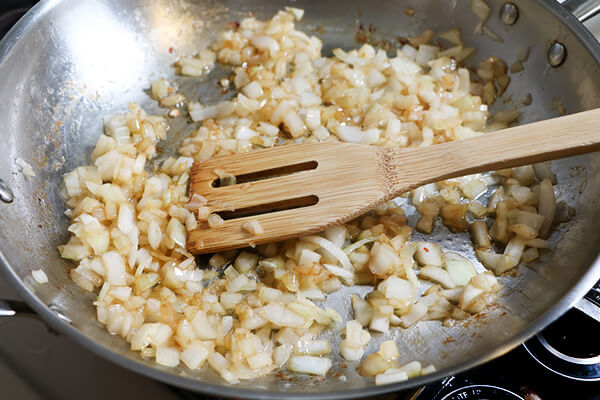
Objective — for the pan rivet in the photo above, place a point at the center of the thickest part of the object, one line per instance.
(509, 13)
(556, 54)
(59, 313)
(6, 195)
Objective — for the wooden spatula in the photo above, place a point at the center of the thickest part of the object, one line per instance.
(303, 188)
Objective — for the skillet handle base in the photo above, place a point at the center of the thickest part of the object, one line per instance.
(17, 308)
(590, 303)
(582, 9)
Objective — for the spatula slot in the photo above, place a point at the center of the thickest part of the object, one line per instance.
(268, 208)
(272, 173)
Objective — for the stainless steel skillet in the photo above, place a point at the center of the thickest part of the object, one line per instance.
(67, 63)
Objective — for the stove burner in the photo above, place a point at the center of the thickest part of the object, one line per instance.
(569, 347)
(11, 11)
(458, 388)
(8, 19)
(575, 335)
(482, 392)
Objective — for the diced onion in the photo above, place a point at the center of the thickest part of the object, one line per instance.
(349, 249)
(251, 311)
(460, 272)
(392, 375)
(26, 168)
(309, 365)
(338, 271)
(39, 276)
(215, 220)
(331, 249)
(429, 254)
(194, 355)
(547, 207)
(481, 9)
(281, 316)
(253, 227)
(114, 268)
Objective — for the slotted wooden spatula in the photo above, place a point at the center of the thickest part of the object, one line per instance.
(303, 188)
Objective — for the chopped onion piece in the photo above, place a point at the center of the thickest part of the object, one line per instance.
(438, 275)
(336, 234)
(330, 248)
(281, 354)
(39, 276)
(309, 365)
(547, 207)
(460, 272)
(167, 356)
(312, 347)
(428, 369)
(253, 227)
(281, 316)
(452, 36)
(25, 167)
(429, 254)
(176, 232)
(154, 234)
(194, 354)
(397, 288)
(543, 171)
(383, 259)
(481, 9)
(425, 54)
(392, 375)
(412, 369)
(260, 360)
(126, 221)
(350, 353)
(245, 262)
(114, 268)
(373, 365)
(297, 12)
(417, 312)
(363, 311)
(196, 202)
(480, 234)
(389, 350)
(338, 271)
(253, 90)
(309, 257)
(203, 327)
(215, 220)
(350, 248)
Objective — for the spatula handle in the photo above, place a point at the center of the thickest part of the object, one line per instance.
(526, 144)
